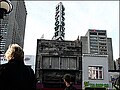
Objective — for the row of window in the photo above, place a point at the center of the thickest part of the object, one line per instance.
(95, 33)
(59, 63)
(103, 53)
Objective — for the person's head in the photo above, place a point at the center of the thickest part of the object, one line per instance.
(67, 78)
(14, 52)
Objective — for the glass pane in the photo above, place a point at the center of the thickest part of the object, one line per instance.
(64, 63)
(96, 74)
(72, 63)
(46, 62)
(100, 74)
(100, 68)
(55, 62)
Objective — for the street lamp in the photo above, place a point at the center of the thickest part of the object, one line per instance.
(5, 8)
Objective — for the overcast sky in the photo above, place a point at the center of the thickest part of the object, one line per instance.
(79, 17)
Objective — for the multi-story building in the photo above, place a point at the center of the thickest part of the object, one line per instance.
(96, 42)
(54, 58)
(3, 34)
(12, 27)
(117, 64)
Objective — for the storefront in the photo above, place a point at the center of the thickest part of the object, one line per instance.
(95, 72)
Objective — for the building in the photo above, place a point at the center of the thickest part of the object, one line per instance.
(12, 27)
(95, 72)
(57, 57)
(117, 63)
(54, 58)
(97, 42)
(30, 61)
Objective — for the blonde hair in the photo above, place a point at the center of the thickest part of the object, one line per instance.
(14, 52)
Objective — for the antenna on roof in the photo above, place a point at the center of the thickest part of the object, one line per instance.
(42, 36)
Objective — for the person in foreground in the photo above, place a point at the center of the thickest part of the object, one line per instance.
(68, 83)
(15, 75)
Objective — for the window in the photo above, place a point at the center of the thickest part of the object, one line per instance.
(95, 72)
(102, 43)
(101, 33)
(93, 33)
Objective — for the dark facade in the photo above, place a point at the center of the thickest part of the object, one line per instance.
(54, 59)
(12, 27)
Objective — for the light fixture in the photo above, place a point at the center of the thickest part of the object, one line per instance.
(5, 8)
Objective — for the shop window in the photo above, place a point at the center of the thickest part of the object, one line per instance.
(95, 72)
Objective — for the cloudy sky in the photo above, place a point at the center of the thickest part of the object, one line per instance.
(79, 17)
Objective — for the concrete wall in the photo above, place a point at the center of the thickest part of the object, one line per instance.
(94, 60)
(110, 54)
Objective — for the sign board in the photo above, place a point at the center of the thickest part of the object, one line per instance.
(96, 85)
